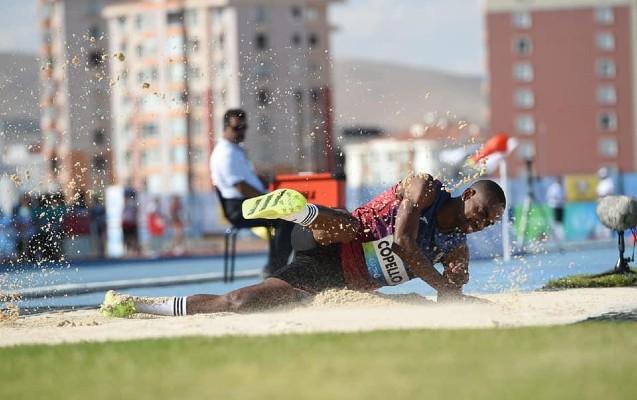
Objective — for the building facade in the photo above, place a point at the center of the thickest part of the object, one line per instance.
(75, 117)
(177, 66)
(562, 79)
(440, 149)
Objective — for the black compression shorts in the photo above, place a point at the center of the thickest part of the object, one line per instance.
(313, 269)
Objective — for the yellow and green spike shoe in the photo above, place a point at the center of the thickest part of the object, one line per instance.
(276, 204)
(117, 305)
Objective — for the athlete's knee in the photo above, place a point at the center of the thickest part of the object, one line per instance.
(236, 301)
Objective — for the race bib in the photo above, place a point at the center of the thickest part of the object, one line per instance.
(383, 265)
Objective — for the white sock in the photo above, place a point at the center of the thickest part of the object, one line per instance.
(171, 306)
(304, 217)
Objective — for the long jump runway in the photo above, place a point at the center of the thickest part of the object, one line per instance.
(332, 311)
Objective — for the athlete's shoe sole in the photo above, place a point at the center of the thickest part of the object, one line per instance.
(276, 204)
(117, 305)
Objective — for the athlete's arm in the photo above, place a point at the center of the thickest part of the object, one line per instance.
(418, 193)
(456, 267)
(456, 264)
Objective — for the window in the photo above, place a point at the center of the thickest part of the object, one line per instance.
(155, 184)
(195, 126)
(191, 17)
(99, 136)
(606, 68)
(526, 151)
(311, 13)
(176, 72)
(607, 121)
(196, 99)
(180, 183)
(261, 14)
(606, 95)
(261, 41)
(608, 147)
(95, 58)
(196, 155)
(99, 163)
(605, 41)
(175, 45)
(174, 17)
(296, 40)
(149, 130)
(522, 46)
(523, 72)
(177, 100)
(193, 72)
(524, 98)
(192, 45)
(312, 40)
(264, 97)
(264, 70)
(521, 20)
(151, 156)
(94, 7)
(297, 12)
(178, 127)
(263, 124)
(180, 155)
(139, 21)
(315, 95)
(139, 50)
(604, 15)
(95, 32)
(525, 124)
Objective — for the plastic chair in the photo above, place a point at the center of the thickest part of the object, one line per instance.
(230, 240)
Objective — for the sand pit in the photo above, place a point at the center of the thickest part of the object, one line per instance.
(336, 311)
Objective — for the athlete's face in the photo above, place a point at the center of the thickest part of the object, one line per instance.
(480, 211)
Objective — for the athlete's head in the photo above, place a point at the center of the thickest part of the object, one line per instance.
(235, 124)
(484, 203)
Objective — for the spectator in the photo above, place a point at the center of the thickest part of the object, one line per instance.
(555, 200)
(235, 178)
(24, 227)
(156, 228)
(130, 226)
(177, 223)
(606, 184)
(605, 187)
(97, 213)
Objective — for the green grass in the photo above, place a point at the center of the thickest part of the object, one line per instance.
(592, 281)
(584, 361)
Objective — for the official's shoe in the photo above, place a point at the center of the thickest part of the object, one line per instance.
(276, 204)
(117, 305)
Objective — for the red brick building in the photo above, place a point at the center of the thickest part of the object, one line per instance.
(562, 80)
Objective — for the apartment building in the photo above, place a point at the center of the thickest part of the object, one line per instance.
(177, 66)
(562, 79)
(75, 117)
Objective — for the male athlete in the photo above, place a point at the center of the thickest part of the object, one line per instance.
(397, 236)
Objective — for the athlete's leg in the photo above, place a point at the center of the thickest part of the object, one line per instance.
(329, 225)
(269, 293)
(333, 226)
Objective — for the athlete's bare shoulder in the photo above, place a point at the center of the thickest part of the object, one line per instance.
(418, 188)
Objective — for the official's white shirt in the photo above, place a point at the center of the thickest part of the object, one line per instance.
(229, 166)
(555, 195)
(606, 187)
